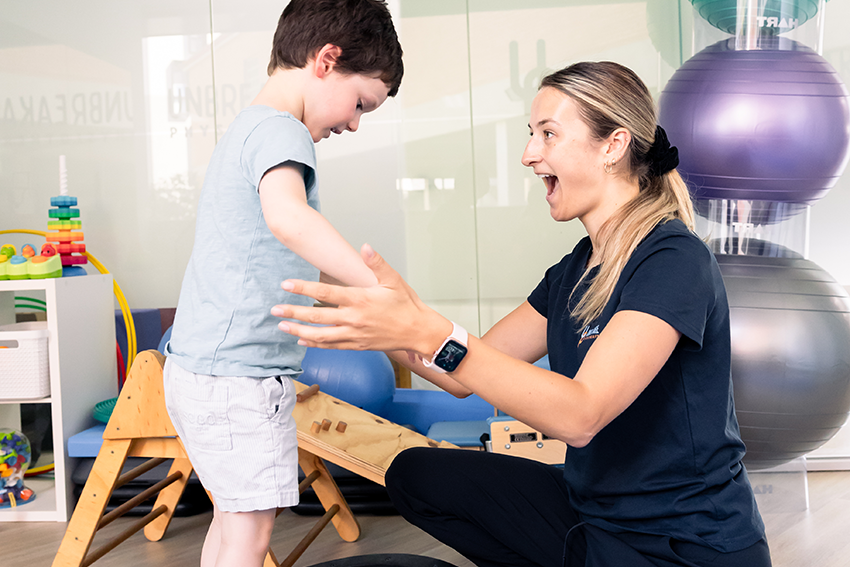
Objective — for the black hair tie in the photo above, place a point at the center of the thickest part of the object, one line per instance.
(662, 156)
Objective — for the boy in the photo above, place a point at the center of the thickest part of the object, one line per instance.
(228, 374)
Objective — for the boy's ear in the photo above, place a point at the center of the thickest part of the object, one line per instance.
(325, 60)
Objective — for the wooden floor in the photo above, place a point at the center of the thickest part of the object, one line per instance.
(799, 537)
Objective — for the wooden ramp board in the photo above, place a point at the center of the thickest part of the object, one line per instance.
(367, 445)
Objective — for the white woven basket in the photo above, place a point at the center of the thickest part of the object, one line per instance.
(23, 362)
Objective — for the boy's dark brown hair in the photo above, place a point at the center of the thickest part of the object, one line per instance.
(362, 29)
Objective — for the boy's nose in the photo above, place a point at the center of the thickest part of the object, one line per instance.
(354, 124)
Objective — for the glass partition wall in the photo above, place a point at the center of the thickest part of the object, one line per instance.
(135, 94)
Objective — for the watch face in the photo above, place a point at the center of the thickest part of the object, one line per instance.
(450, 356)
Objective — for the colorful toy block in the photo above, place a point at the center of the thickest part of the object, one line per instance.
(6, 252)
(63, 231)
(42, 267)
(27, 265)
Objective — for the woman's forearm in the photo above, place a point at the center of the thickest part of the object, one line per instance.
(443, 381)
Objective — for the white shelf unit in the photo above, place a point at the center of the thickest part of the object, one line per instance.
(81, 357)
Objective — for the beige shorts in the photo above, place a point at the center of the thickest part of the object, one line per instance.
(239, 434)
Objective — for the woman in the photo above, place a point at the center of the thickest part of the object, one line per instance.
(636, 315)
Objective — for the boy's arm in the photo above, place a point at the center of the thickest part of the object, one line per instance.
(305, 231)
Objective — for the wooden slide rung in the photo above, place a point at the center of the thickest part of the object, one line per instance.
(302, 486)
(311, 535)
(137, 472)
(123, 536)
(138, 499)
(308, 481)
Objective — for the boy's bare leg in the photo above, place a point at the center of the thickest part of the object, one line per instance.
(213, 540)
(238, 538)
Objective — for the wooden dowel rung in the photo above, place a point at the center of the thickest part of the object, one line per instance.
(311, 535)
(138, 471)
(308, 481)
(138, 499)
(306, 393)
(117, 540)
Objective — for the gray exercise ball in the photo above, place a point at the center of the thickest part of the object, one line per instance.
(790, 327)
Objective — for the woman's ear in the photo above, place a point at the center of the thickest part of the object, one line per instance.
(617, 144)
(326, 59)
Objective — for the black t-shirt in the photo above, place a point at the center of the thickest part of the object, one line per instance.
(670, 464)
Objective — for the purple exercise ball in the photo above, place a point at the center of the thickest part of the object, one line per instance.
(767, 125)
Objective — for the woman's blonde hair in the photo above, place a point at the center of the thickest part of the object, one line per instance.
(611, 96)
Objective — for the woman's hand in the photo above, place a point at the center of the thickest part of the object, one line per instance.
(388, 316)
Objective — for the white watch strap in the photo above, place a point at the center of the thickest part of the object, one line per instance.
(458, 334)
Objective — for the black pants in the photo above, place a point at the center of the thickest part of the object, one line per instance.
(498, 510)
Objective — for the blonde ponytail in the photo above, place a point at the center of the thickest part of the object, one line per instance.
(665, 198)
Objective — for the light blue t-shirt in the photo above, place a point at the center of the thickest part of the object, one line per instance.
(223, 326)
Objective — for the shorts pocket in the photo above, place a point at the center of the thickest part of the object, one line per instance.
(204, 418)
(280, 394)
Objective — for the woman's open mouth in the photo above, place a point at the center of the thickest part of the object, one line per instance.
(550, 181)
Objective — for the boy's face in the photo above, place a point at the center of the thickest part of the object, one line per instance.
(339, 101)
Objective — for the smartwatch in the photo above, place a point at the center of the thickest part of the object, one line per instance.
(451, 352)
